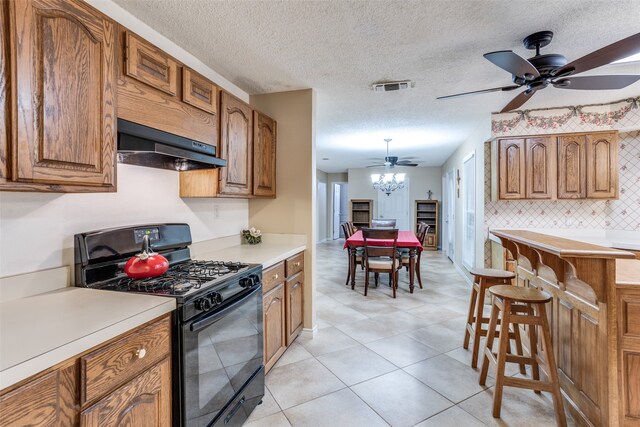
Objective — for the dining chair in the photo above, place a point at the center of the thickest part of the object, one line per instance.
(383, 223)
(359, 251)
(423, 229)
(381, 259)
(352, 228)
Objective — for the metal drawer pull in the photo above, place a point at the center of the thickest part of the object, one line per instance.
(297, 264)
(276, 276)
(141, 353)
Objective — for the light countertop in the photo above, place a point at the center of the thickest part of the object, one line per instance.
(619, 239)
(39, 331)
(274, 248)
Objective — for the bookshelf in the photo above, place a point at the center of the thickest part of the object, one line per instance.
(427, 212)
(361, 212)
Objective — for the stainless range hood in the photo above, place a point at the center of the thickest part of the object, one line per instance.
(144, 146)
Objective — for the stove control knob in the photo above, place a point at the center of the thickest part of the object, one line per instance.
(247, 282)
(215, 298)
(256, 279)
(203, 304)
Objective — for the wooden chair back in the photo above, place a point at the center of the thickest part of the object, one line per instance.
(372, 250)
(383, 223)
(352, 229)
(423, 229)
(345, 229)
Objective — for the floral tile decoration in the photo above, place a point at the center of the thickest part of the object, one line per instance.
(621, 214)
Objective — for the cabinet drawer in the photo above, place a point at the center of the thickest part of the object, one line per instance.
(295, 264)
(272, 276)
(118, 362)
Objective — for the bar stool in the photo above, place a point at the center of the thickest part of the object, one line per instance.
(518, 305)
(484, 278)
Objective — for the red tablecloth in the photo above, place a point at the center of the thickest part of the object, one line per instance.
(406, 239)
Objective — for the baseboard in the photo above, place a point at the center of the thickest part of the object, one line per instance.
(309, 332)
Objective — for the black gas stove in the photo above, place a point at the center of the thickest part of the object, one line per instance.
(218, 332)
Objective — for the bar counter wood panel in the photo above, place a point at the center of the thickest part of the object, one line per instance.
(596, 341)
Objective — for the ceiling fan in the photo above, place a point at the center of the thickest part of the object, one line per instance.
(391, 161)
(540, 71)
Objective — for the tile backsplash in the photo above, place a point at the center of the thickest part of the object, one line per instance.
(621, 214)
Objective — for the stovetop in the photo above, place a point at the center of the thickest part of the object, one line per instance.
(182, 279)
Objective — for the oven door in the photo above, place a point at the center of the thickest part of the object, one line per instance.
(222, 357)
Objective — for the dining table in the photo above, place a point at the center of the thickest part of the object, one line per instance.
(406, 240)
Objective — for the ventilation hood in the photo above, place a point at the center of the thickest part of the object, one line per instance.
(144, 146)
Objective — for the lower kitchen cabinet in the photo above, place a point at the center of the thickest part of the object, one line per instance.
(126, 381)
(283, 306)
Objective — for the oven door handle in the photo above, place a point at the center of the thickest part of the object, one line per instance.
(216, 315)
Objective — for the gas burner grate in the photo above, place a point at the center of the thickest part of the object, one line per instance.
(181, 278)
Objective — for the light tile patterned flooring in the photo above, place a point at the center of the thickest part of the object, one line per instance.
(377, 361)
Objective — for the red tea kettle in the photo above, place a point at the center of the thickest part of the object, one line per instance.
(147, 263)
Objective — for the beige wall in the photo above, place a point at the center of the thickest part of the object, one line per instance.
(475, 142)
(294, 208)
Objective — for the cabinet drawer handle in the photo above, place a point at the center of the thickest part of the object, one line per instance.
(296, 264)
(276, 276)
(141, 353)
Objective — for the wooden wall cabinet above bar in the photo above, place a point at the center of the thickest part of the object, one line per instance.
(565, 166)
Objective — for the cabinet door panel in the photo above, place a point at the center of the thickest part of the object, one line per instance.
(602, 166)
(572, 174)
(294, 289)
(236, 146)
(145, 401)
(5, 116)
(541, 168)
(199, 92)
(274, 326)
(65, 63)
(264, 155)
(512, 168)
(150, 65)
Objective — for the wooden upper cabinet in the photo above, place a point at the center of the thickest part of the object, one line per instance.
(572, 174)
(540, 160)
(602, 165)
(65, 80)
(236, 146)
(5, 109)
(199, 92)
(264, 155)
(512, 168)
(146, 63)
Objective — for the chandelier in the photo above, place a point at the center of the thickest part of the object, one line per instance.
(387, 182)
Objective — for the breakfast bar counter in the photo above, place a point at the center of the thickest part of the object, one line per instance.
(594, 317)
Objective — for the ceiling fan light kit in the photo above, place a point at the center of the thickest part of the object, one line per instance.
(540, 71)
(389, 181)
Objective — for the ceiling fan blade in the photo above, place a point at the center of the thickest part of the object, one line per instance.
(596, 82)
(406, 164)
(495, 89)
(513, 63)
(376, 166)
(518, 101)
(606, 55)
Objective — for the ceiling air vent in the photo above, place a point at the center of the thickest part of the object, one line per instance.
(392, 86)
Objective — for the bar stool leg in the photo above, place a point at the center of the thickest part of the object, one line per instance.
(502, 354)
(491, 333)
(478, 324)
(516, 334)
(551, 366)
(533, 351)
(472, 307)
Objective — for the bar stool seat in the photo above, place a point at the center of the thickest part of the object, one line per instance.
(518, 305)
(485, 278)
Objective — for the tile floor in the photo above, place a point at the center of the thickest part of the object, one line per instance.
(377, 361)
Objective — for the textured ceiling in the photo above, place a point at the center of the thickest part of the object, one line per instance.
(340, 48)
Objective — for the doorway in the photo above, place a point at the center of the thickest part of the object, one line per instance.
(396, 206)
(449, 214)
(340, 210)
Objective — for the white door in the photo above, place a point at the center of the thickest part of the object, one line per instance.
(450, 214)
(396, 206)
(336, 211)
(469, 209)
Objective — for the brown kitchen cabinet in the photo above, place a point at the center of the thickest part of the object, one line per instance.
(62, 110)
(283, 306)
(511, 164)
(565, 166)
(264, 155)
(126, 381)
(236, 147)
(156, 90)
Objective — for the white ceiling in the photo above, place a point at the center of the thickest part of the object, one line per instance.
(340, 48)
